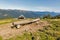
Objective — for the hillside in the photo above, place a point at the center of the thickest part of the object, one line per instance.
(46, 29)
(7, 32)
(29, 14)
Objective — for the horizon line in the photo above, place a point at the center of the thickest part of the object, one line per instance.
(28, 10)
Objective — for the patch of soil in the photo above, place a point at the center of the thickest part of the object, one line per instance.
(6, 31)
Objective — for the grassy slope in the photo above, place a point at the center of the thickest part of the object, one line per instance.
(4, 21)
(51, 32)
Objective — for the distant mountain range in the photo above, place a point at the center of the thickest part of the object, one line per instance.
(29, 14)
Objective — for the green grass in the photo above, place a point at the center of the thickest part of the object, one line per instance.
(1, 38)
(4, 21)
(34, 36)
(54, 27)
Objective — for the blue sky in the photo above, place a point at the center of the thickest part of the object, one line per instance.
(32, 5)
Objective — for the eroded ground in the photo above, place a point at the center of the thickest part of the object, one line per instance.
(6, 31)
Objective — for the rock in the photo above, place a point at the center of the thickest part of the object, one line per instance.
(18, 26)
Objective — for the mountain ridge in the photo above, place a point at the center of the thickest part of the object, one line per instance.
(6, 13)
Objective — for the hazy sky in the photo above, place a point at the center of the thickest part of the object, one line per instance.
(32, 5)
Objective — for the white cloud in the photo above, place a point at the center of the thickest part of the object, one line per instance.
(13, 7)
(47, 9)
(31, 8)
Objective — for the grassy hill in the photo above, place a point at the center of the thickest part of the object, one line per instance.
(47, 32)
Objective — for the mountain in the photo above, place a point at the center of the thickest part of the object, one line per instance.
(29, 14)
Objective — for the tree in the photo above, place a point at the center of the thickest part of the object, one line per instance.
(47, 16)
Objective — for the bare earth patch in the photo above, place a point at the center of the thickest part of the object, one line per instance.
(6, 31)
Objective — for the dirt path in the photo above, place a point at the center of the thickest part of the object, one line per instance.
(6, 31)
